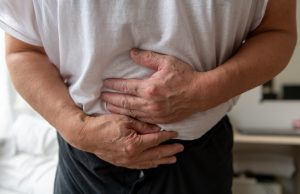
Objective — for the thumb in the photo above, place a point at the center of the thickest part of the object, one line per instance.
(148, 59)
(143, 128)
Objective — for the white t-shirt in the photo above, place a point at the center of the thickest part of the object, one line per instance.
(90, 41)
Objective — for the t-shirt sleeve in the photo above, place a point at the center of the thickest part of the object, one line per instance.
(17, 18)
(261, 6)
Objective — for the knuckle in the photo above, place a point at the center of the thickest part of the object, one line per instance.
(145, 57)
(124, 103)
(156, 139)
(149, 55)
(154, 107)
(136, 90)
(124, 87)
(130, 151)
(151, 91)
(132, 113)
(169, 60)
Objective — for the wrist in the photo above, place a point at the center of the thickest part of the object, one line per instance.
(208, 91)
(69, 123)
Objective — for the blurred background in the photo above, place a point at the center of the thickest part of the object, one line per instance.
(28, 147)
(267, 134)
(266, 150)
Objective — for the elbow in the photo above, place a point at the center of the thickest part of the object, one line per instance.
(12, 61)
(293, 36)
(295, 39)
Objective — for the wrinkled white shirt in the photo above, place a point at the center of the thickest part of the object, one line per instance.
(90, 41)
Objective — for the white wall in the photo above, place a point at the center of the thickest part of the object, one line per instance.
(252, 114)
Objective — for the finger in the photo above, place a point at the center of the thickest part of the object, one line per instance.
(156, 163)
(148, 59)
(123, 100)
(159, 120)
(168, 160)
(147, 120)
(127, 86)
(122, 111)
(161, 151)
(143, 128)
(154, 139)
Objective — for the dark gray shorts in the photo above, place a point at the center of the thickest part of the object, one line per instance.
(204, 167)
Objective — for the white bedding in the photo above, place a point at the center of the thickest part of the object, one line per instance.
(28, 157)
(27, 174)
(28, 147)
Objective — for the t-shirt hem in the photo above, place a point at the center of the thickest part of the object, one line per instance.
(261, 16)
(13, 31)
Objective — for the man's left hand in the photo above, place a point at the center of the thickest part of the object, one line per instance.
(168, 95)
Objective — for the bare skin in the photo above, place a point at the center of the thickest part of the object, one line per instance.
(175, 91)
(132, 143)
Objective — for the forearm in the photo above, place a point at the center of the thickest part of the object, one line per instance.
(40, 84)
(261, 58)
(265, 53)
(116, 139)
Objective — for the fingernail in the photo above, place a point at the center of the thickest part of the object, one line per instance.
(156, 128)
(175, 133)
(181, 148)
(105, 106)
(173, 160)
(135, 51)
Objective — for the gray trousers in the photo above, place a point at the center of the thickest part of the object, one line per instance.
(204, 167)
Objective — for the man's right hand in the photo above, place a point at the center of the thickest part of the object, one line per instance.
(117, 139)
(126, 142)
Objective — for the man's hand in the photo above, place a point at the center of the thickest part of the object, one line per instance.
(166, 96)
(126, 142)
(117, 139)
(174, 91)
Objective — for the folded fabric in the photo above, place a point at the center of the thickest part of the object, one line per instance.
(25, 173)
(7, 148)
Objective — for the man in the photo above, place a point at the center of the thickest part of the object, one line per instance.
(173, 64)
